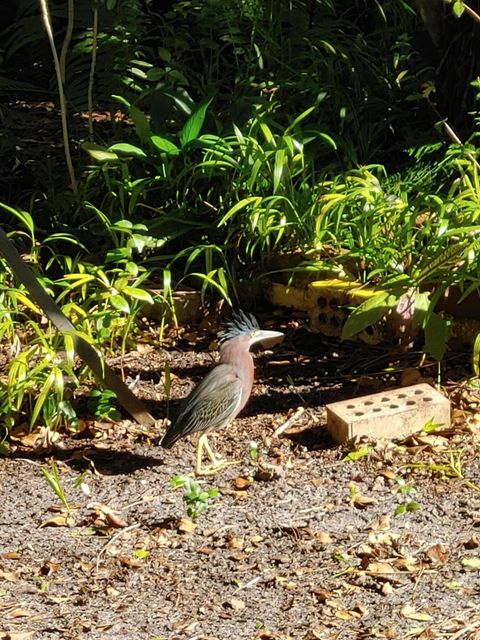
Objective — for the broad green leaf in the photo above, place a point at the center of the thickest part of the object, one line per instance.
(431, 427)
(369, 313)
(98, 153)
(194, 124)
(138, 294)
(278, 169)
(119, 303)
(122, 100)
(46, 386)
(123, 225)
(269, 137)
(458, 8)
(328, 139)
(114, 255)
(299, 119)
(436, 331)
(140, 120)
(239, 206)
(422, 306)
(476, 355)
(162, 144)
(23, 299)
(127, 149)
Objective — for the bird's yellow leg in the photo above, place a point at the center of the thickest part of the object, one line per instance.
(217, 465)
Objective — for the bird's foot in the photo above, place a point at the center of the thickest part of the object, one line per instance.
(215, 468)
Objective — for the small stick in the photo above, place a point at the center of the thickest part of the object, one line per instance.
(288, 423)
(112, 539)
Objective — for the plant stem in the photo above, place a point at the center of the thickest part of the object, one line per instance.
(61, 94)
(473, 14)
(67, 39)
(93, 64)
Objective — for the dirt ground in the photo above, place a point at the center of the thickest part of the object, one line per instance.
(301, 542)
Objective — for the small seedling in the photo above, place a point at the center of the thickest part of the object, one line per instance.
(405, 489)
(451, 469)
(102, 404)
(196, 496)
(53, 479)
(406, 508)
(253, 450)
(358, 453)
(431, 427)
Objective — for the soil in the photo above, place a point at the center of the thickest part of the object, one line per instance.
(302, 541)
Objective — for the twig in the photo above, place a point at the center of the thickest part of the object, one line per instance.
(467, 629)
(112, 539)
(288, 423)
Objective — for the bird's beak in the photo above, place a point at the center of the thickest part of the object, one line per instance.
(268, 338)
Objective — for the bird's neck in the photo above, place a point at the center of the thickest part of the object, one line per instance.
(238, 356)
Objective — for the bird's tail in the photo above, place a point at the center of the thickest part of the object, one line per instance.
(168, 440)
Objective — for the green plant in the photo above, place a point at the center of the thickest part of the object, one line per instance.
(101, 403)
(253, 450)
(196, 497)
(53, 478)
(451, 468)
(405, 489)
(35, 385)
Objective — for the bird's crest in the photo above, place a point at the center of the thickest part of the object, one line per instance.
(239, 324)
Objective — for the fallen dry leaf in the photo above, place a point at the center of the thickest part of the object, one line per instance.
(382, 523)
(22, 635)
(472, 543)
(409, 563)
(237, 604)
(17, 612)
(387, 588)
(323, 537)
(10, 576)
(132, 563)
(321, 594)
(437, 554)
(361, 501)
(63, 519)
(185, 525)
(413, 614)
(242, 483)
(380, 568)
(232, 542)
(110, 517)
(41, 439)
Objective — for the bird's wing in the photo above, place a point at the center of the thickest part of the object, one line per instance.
(212, 404)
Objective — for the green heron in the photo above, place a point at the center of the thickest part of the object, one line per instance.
(223, 393)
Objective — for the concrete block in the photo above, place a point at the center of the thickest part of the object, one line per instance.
(390, 414)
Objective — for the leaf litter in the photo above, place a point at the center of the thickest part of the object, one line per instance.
(305, 539)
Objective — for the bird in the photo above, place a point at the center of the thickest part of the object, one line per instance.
(216, 401)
